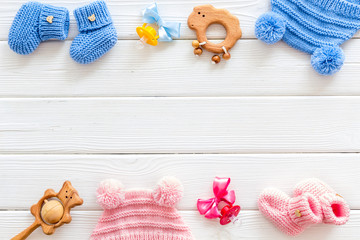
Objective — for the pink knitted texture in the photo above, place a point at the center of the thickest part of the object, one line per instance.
(334, 207)
(290, 215)
(140, 214)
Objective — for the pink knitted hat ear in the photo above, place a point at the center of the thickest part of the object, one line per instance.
(109, 194)
(168, 192)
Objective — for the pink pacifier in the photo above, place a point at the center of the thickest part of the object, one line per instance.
(223, 200)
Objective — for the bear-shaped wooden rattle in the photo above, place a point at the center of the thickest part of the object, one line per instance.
(52, 210)
(201, 18)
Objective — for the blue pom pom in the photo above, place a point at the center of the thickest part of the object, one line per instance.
(328, 60)
(270, 27)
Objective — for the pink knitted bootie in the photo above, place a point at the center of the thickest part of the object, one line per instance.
(290, 215)
(334, 207)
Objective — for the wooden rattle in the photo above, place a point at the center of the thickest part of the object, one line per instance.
(201, 18)
(52, 210)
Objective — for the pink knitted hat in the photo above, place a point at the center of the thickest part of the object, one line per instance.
(140, 214)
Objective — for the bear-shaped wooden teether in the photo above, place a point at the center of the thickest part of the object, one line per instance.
(201, 18)
(52, 210)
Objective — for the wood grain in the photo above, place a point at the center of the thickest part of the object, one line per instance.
(250, 174)
(255, 69)
(126, 15)
(254, 226)
(127, 115)
(180, 125)
(205, 15)
(26, 233)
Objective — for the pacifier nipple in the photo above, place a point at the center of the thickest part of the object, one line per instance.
(147, 35)
(141, 43)
(235, 220)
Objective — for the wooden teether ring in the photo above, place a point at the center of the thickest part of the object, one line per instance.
(68, 198)
(203, 16)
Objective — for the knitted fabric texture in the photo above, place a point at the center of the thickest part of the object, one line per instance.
(97, 33)
(140, 214)
(36, 22)
(317, 27)
(290, 215)
(334, 207)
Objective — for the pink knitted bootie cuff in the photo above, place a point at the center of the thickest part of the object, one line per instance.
(305, 210)
(334, 207)
(290, 215)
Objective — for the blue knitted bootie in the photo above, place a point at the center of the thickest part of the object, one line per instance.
(36, 22)
(317, 27)
(97, 33)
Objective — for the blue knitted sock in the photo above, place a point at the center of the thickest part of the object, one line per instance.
(97, 33)
(317, 27)
(36, 22)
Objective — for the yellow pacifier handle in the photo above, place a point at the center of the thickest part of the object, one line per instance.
(148, 34)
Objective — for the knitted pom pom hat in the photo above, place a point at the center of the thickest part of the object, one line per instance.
(290, 215)
(317, 27)
(140, 214)
(334, 207)
(36, 22)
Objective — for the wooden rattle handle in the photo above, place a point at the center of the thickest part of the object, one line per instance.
(24, 234)
(54, 211)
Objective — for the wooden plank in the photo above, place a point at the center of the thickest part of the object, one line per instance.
(126, 15)
(254, 226)
(180, 125)
(254, 70)
(30, 175)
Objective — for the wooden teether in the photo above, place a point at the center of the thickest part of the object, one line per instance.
(201, 18)
(52, 210)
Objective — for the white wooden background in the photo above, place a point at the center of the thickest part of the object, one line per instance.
(264, 118)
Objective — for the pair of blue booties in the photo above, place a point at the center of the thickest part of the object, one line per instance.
(317, 27)
(36, 22)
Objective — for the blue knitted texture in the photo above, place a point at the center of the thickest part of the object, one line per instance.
(96, 37)
(30, 26)
(316, 27)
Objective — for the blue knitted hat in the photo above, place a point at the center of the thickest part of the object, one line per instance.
(317, 27)
(36, 22)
